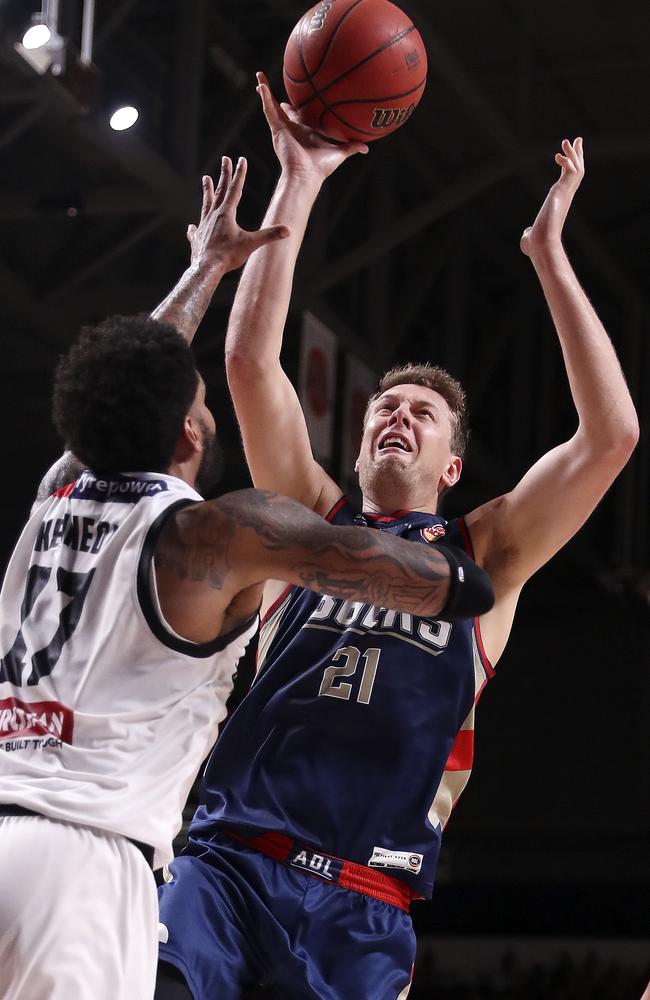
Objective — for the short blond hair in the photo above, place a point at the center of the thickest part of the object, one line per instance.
(432, 377)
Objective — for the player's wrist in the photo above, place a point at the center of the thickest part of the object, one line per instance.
(546, 248)
(302, 179)
(208, 267)
(470, 589)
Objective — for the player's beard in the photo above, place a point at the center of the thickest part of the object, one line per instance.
(211, 466)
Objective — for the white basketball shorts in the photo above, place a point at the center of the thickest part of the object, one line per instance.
(78, 914)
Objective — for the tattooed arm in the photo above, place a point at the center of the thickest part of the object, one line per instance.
(210, 554)
(218, 245)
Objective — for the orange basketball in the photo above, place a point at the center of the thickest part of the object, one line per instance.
(355, 69)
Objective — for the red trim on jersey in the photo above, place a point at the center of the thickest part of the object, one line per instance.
(465, 535)
(469, 548)
(480, 691)
(489, 669)
(336, 508)
(386, 517)
(65, 491)
(374, 517)
(462, 752)
(352, 876)
(276, 604)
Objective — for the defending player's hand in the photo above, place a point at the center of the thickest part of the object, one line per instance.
(299, 148)
(218, 240)
(546, 231)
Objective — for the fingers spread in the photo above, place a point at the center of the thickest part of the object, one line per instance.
(357, 147)
(574, 154)
(276, 232)
(290, 113)
(225, 178)
(272, 110)
(234, 192)
(264, 236)
(208, 196)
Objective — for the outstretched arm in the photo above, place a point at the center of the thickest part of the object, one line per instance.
(517, 533)
(270, 417)
(210, 552)
(218, 245)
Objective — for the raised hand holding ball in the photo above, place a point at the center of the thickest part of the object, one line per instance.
(355, 69)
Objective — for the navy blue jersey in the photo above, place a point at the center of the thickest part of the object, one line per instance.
(357, 735)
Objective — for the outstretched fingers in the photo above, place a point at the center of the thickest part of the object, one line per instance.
(275, 114)
(234, 192)
(263, 237)
(571, 160)
(223, 185)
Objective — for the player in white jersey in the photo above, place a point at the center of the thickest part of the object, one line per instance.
(126, 605)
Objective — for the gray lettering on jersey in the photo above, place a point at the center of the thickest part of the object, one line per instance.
(343, 615)
(437, 633)
(405, 621)
(325, 607)
(349, 612)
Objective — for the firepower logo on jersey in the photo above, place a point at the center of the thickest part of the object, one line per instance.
(120, 489)
(35, 723)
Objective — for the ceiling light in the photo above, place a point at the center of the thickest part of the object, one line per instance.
(124, 118)
(36, 36)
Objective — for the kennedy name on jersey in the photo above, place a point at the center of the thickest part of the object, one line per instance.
(433, 636)
(83, 534)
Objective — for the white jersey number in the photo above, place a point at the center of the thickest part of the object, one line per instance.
(332, 687)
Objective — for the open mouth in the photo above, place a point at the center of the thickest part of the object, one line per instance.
(393, 442)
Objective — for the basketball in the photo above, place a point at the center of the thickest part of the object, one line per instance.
(355, 69)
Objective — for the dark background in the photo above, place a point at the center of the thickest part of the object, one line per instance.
(412, 254)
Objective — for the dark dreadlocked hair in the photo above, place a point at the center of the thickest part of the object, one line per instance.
(122, 392)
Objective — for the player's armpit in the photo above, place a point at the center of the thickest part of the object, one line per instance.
(241, 539)
(515, 534)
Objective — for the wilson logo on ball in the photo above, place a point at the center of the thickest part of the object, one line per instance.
(391, 117)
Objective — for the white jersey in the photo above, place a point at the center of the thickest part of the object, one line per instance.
(105, 713)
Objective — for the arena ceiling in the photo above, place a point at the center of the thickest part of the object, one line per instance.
(413, 250)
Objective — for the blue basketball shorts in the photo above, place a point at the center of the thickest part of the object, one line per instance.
(232, 918)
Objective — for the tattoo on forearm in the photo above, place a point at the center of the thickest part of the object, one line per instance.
(350, 563)
(187, 303)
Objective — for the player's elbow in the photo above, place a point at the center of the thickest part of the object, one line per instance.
(611, 444)
(623, 440)
(243, 365)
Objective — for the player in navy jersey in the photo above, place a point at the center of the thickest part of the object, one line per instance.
(126, 604)
(324, 800)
